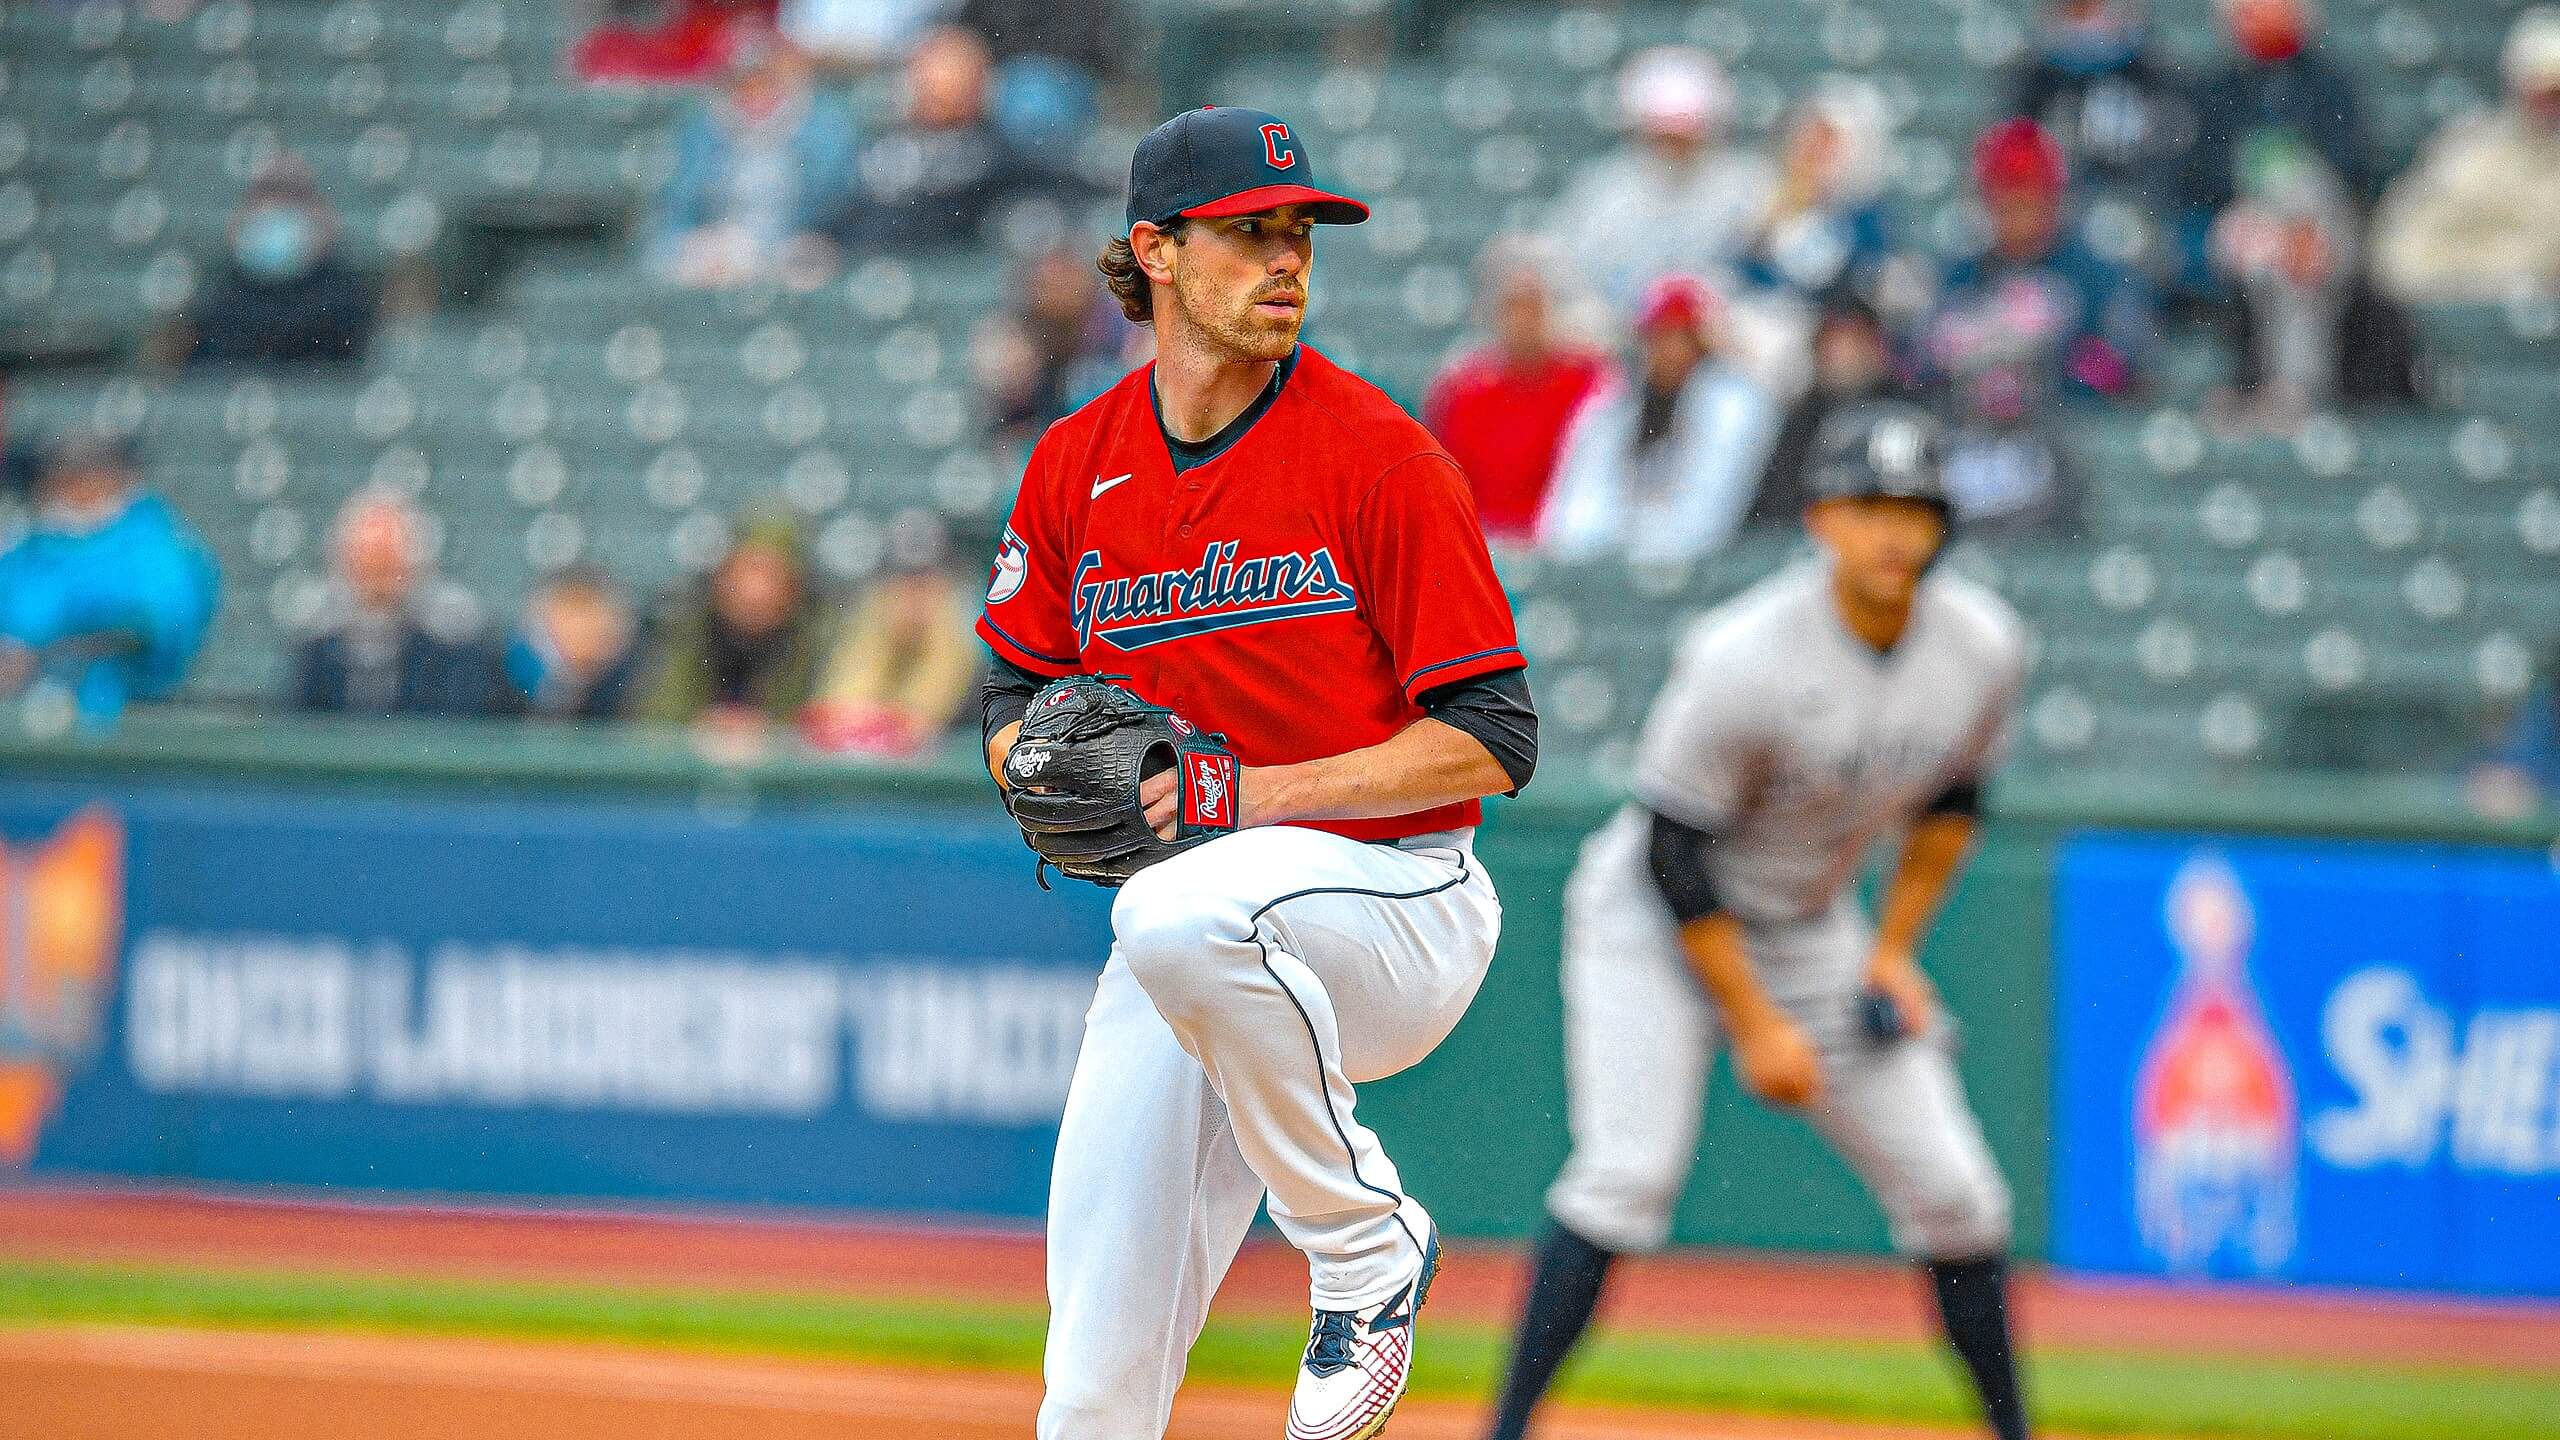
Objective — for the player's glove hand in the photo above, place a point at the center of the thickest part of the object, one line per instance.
(1074, 775)
(1777, 1062)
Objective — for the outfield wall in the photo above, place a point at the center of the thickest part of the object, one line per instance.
(566, 998)
(488, 963)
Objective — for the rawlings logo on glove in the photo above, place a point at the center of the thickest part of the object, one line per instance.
(1085, 748)
(1207, 782)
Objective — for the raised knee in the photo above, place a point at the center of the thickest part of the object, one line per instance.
(1173, 936)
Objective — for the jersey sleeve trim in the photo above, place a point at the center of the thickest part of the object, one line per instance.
(1465, 667)
(1023, 655)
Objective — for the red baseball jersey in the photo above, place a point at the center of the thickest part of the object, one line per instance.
(1295, 593)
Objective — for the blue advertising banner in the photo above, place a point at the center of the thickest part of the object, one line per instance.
(874, 1011)
(2332, 1063)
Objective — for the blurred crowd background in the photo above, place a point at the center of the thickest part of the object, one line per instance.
(672, 361)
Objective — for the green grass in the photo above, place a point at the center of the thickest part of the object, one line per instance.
(2093, 1392)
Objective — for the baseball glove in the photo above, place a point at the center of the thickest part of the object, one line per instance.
(1073, 775)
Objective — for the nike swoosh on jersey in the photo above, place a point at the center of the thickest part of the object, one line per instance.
(1100, 484)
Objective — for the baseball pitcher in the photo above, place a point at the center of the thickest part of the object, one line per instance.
(1255, 670)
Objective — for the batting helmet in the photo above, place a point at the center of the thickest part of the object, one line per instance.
(1882, 447)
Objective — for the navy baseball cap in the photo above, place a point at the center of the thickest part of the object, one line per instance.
(1219, 160)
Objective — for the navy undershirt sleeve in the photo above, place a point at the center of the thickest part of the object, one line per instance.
(1497, 711)
(1005, 697)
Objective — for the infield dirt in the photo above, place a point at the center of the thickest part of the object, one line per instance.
(119, 1382)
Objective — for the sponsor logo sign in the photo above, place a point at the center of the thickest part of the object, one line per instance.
(534, 999)
(2329, 1063)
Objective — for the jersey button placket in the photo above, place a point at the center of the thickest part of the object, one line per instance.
(1190, 509)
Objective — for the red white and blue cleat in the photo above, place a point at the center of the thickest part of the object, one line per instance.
(1357, 1360)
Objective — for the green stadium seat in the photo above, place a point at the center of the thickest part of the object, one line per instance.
(2230, 604)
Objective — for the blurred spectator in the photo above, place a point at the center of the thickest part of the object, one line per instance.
(2035, 315)
(1057, 344)
(933, 178)
(1501, 409)
(1825, 223)
(1051, 58)
(2307, 330)
(2091, 80)
(907, 661)
(1673, 199)
(759, 169)
(394, 642)
(574, 652)
(1825, 227)
(2523, 770)
(1662, 469)
(2478, 217)
(2279, 99)
(741, 650)
(2034, 319)
(669, 43)
(860, 35)
(108, 593)
(285, 294)
(1852, 363)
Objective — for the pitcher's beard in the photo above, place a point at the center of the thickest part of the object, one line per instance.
(1243, 334)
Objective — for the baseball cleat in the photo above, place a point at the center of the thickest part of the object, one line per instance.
(1357, 1360)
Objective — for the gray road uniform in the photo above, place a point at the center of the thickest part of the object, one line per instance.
(1798, 746)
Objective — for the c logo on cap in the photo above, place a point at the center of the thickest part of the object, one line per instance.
(1279, 149)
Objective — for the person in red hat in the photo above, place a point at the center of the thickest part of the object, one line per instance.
(2020, 174)
(2033, 320)
(2035, 315)
(1662, 467)
(2280, 94)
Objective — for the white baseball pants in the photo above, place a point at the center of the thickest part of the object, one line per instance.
(1640, 1034)
(1252, 982)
